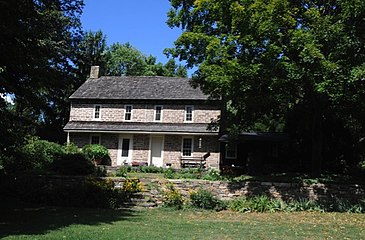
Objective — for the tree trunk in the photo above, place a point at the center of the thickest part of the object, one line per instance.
(317, 136)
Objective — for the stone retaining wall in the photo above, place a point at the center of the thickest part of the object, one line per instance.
(221, 189)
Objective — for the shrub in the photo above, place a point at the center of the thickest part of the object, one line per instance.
(169, 173)
(40, 154)
(205, 200)
(121, 172)
(71, 148)
(95, 152)
(74, 164)
(150, 169)
(212, 175)
(132, 185)
(172, 197)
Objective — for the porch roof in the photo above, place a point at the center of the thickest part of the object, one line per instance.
(256, 136)
(133, 127)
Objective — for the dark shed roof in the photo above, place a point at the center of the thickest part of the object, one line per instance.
(256, 136)
(138, 88)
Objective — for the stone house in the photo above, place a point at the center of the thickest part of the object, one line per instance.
(160, 121)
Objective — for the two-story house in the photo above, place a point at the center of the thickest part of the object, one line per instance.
(160, 121)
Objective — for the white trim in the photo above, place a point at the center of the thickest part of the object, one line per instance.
(125, 112)
(95, 135)
(192, 146)
(155, 111)
(97, 105)
(192, 113)
(136, 132)
(128, 159)
(162, 148)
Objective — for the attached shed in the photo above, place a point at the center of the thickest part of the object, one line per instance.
(252, 152)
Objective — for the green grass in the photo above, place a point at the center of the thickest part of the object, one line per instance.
(71, 223)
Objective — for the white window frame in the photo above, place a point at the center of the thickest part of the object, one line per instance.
(94, 111)
(186, 113)
(125, 112)
(95, 135)
(192, 146)
(155, 113)
(235, 151)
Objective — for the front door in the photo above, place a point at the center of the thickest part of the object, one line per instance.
(156, 151)
(124, 150)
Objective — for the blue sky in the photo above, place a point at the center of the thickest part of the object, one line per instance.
(139, 22)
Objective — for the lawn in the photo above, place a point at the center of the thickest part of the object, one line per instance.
(72, 223)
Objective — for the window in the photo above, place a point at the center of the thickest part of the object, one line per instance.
(125, 147)
(95, 139)
(187, 147)
(97, 111)
(158, 113)
(128, 112)
(189, 113)
(231, 151)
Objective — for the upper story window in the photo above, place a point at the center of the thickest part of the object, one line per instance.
(189, 110)
(128, 112)
(97, 109)
(158, 113)
(187, 147)
(95, 139)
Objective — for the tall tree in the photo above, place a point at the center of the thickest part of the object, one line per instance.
(124, 59)
(37, 40)
(91, 51)
(266, 57)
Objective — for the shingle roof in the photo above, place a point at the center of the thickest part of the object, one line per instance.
(138, 127)
(138, 88)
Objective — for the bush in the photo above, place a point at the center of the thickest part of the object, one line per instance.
(73, 164)
(172, 197)
(205, 200)
(169, 173)
(132, 185)
(150, 169)
(212, 175)
(95, 152)
(121, 172)
(39, 154)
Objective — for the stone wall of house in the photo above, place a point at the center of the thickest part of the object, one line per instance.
(171, 113)
(141, 144)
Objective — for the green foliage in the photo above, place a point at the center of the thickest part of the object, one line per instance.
(126, 60)
(95, 152)
(74, 164)
(132, 185)
(169, 173)
(281, 65)
(122, 172)
(172, 197)
(150, 169)
(39, 154)
(204, 199)
(212, 175)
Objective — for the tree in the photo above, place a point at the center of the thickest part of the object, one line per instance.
(124, 59)
(266, 58)
(91, 51)
(37, 40)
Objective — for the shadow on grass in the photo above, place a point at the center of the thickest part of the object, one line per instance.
(18, 218)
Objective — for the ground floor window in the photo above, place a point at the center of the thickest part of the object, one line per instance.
(125, 147)
(231, 151)
(187, 147)
(95, 139)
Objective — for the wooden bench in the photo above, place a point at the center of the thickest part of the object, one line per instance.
(194, 162)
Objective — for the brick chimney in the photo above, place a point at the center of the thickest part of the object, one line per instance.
(94, 72)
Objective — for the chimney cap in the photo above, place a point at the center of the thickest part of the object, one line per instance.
(94, 72)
